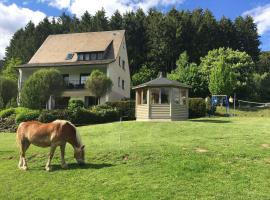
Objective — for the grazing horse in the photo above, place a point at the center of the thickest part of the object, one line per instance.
(56, 133)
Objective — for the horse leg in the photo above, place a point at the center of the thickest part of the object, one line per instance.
(63, 162)
(48, 165)
(24, 145)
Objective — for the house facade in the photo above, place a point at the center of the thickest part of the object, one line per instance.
(76, 55)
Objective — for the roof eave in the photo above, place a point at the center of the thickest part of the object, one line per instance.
(67, 64)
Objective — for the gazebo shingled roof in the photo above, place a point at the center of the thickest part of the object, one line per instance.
(162, 82)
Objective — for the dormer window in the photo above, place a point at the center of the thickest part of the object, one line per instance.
(90, 56)
(69, 56)
(93, 56)
(80, 57)
(100, 56)
(87, 56)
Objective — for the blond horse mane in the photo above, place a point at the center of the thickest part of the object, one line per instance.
(63, 122)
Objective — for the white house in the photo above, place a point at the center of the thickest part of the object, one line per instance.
(75, 56)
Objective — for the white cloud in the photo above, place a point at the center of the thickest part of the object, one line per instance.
(261, 16)
(78, 7)
(60, 4)
(12, 18)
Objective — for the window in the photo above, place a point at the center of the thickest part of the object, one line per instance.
(139, 97)
(80, 56)
(87, 56)
(66, 79)
(154, 96)
(93, 56)
(123, 84)
(160, 96)
(100, 56)
(183, 97)
(83, 78)
(164, 95)
(69, 56)
(176, 95)
(123, 65)
(119, 61)
(144, 96)
(119, 82)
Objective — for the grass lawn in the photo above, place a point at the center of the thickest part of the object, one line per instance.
(218, 158)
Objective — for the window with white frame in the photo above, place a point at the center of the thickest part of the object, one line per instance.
(160, 95)
(123, 84)
(119, 81)
(119, 61)
(144, 96)
(183, 96)
(123, 65)
(176, 95)
(155, 95)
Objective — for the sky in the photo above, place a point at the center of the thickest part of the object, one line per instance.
(15, 14)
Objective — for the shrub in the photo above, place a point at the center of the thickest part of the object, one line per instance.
(28, 115)
(8, 124)
(126, 109)
(7, 112)
(83, 116)
(197, 107)
(105, 113)
(75, 103)
(51, 115)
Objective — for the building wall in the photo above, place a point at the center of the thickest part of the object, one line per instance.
(115, 71)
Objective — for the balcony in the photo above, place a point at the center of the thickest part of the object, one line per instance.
(74, 84)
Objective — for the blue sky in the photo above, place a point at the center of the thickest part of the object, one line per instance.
(14, 14)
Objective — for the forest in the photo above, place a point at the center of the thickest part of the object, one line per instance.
(166, 42)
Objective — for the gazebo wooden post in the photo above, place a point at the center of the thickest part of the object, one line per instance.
(148, 102)
(171, 100)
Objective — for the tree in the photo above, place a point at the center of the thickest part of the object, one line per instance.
(116, 21)
(190, 74)
(40, 86)
(98, 84)
(240, 62)
(8, 90)
(222, 79)
(9, 70)
(145, 74)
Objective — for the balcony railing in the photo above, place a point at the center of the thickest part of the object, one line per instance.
(70, 84)
(74, 84)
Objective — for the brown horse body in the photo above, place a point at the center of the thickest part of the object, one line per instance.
(56, 133)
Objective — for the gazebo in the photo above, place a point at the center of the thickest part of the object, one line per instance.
(161, 99)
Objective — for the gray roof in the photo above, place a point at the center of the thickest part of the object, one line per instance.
(162, 82)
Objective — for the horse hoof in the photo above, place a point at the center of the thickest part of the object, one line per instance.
(64, 166)
(24, 168)
(48, 169)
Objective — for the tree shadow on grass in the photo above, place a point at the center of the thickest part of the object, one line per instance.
(216, 121)
(74, 166)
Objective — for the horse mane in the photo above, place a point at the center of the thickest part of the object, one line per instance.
(63, 122)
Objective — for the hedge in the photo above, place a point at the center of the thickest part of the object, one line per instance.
(7, 112)
(126, 109)
(51, 115)
(28, 115)
(197, 107)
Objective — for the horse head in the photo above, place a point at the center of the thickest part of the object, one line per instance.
(79, 154)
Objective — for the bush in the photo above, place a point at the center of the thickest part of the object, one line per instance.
(28, 115)
(126, 109)
(197, 107)
(8, 124)
(7, 112)
(105, 113)
(82, 116)
(51, 115)
(75, 103)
